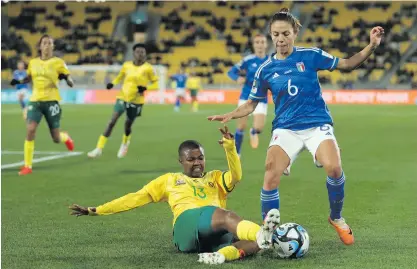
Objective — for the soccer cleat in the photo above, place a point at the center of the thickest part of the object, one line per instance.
(69, 143)
(254, 139)
(25, 170)
(94, 153)
(271, 222)
(211, 258)
(344, 231)
(123, 150)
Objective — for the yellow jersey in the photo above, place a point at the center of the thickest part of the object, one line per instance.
(135, 76)
(183, 192)
(194, 83)
(45, 80)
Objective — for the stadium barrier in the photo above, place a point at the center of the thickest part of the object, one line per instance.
(369, 97)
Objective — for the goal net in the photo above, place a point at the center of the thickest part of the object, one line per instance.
(95, 77)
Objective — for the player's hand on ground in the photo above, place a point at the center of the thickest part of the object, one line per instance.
(226, 134)
(78, 210)
(222, 118)
(376, 36)
(241, 80)
(109, 86)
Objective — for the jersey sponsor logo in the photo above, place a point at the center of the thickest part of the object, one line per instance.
(288, 71)
(179, 182)
(301, 67)
(275, 75)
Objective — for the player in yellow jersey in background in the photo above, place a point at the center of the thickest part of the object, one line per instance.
(139, 76)
(198, 202)
(194, 85)
(45, 73)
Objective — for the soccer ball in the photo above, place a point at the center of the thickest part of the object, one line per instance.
(290, 240)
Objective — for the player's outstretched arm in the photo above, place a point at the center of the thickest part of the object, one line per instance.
(357, 59)
(152, 192)
(234, 174)
(240, 112)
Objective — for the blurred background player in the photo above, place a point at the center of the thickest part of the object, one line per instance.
(198, 201)
(180, 80)
(244, 73)
(139, 76)
(194, 86)
(302, 119)
(22, 89)
(45, 73)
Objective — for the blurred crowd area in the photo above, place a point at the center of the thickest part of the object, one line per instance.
(209, 37)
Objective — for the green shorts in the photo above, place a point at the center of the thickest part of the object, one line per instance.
(132, 110)
(193, 93)
(50, 109)
(193, 232)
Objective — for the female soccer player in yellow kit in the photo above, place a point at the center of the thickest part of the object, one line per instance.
(198, 201)
(139, 76)
(45, 73)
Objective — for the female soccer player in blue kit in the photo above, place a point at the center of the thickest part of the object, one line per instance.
(302, 119)
(244, 73)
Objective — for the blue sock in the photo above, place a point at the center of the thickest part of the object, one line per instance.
(269, 200)
(177, 102)
(22, 104)
(254, 131)
(336, 191)
(238, 139)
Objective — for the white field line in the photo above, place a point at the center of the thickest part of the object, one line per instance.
(44, 159)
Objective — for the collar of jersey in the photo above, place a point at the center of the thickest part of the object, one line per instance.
(274, 58)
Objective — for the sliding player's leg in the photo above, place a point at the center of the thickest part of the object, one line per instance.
(215, 221)
(118, 110)
(231, 252)
(34, 117)
(52, 111)
(132, 112)
(259, 117)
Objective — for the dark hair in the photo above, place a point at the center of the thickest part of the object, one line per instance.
(138, 45)
(285, 15)
(40, 41)
(188, 144)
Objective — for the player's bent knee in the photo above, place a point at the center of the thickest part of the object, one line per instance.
(333, 170)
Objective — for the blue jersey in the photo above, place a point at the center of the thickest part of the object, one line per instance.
(248, 65)
(19, 75)
(180, 80)
(295, 88)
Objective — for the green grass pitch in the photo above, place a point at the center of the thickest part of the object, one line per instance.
(379, 152)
